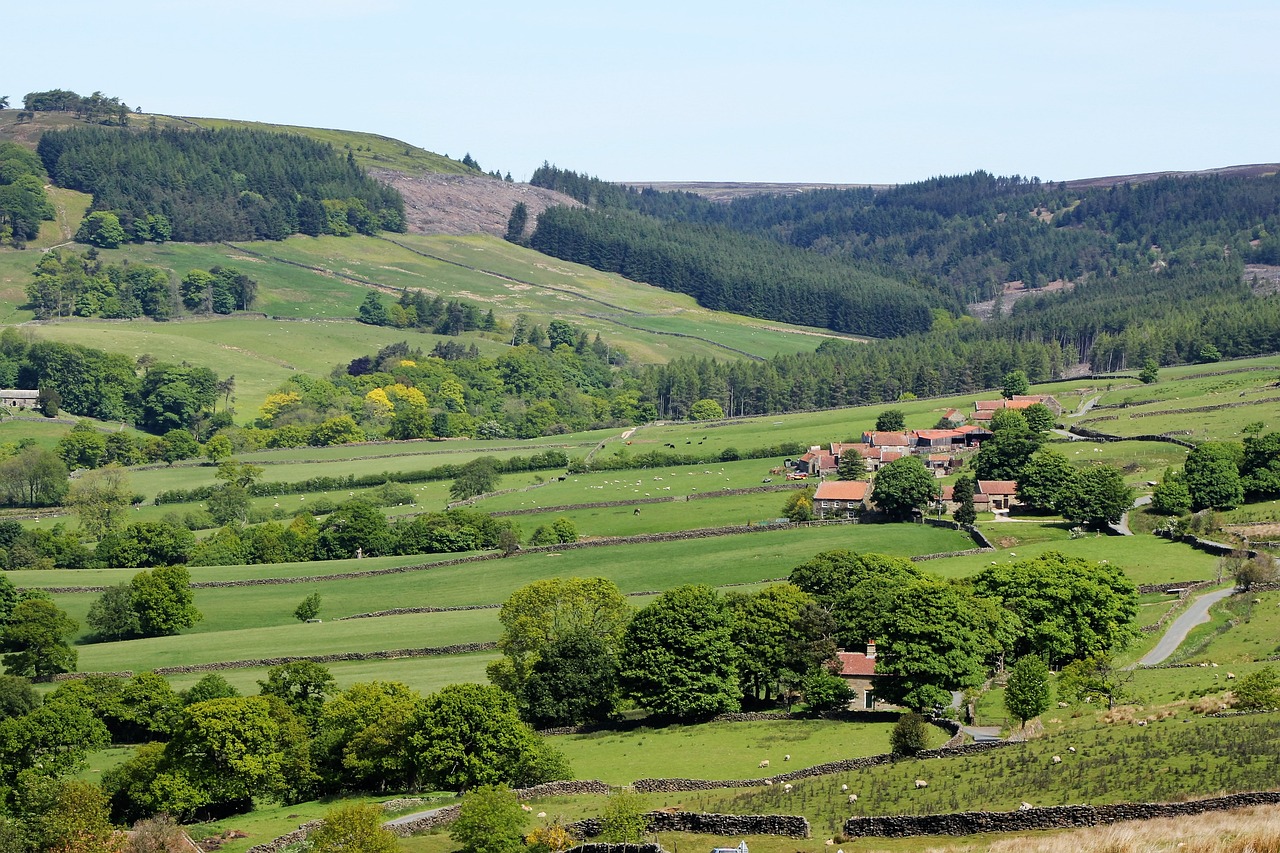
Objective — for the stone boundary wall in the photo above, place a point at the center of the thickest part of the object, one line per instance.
(785, 826)
(951, 726)
(978, 537)
(1215, 408)
(563, 788)
(1221, 549)
(719, 493)
(1172, 612)
(277, 844)
(448, 814)
(1095, 435)
(848, 765)
(1052, 817)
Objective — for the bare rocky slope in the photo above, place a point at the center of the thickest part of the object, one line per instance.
(466, 204)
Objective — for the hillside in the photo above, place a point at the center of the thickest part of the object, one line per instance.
(439, 203)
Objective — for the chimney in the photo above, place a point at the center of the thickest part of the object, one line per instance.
(871, 650)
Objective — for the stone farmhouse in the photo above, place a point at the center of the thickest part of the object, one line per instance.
(13, 398)
(984, 409)
(858, 669)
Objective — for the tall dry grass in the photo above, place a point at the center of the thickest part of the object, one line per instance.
(1249, 830)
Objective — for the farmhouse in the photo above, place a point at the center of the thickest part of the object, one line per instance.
(12, 398)
(840, 498)
(1002, 494)
(984, 409)
(948, 503)
(858, 669)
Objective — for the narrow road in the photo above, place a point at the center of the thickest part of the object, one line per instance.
(1121, 528)
(1196, 614)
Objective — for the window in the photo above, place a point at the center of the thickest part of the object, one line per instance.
(869, 699)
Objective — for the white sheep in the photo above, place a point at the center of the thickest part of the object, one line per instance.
(768, 781)
(526, 808)
(1230, 675)
(542, 814)
(830, 842)
(844, 787)
(853, 798)
(1025, 807)
(1057, 759)
(786, 757)
(787, 787)
(764, 763)
(921, 783)
(1071, 749)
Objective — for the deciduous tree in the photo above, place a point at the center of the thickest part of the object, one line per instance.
(489, 821)
(35, 639)
(1028, 691)
(678, 655)
(903, 486)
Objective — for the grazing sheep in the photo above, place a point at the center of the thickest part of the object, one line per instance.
(787, 787)
(1230, 675)
(830, 842)
(786, 757)
(764, 763)
(853, 798)
(921, 783)
(526, 808)
(844, 787)
(768, 781)
(1025, 807)
(542, 814)
(1057, 759)
(1071, 749)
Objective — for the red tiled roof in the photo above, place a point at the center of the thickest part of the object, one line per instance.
(988, 405)
(939, 457)
(968, 428)
(888, 439)
(887, 455)
(997, 487)
(841, 490)
(983, 415)
(856, 663)
(938, 433)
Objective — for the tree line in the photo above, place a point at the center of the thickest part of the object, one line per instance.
(228, 184)
(70, 284)
(23, 205)
(726, 271)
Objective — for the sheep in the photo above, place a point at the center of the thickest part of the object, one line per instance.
(764, 763)
(853, 798)
(1071, 749)
(921, 783)
(787, 787)
(1025, 807)
(525, 808)
(844, 787)
(1057, 759)
(830, 842)
(768, 781)
(1230, 675)
(786, 757)
(542, 814)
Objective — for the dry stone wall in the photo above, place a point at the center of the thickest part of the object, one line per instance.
(1053, 817)
(785, 826)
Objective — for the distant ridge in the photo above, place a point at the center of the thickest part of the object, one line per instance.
(729, 190)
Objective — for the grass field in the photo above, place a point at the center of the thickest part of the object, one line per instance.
(720, 750)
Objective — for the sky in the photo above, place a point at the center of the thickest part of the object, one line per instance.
(821, 92)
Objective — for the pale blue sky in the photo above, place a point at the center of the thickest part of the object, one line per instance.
(877, 92)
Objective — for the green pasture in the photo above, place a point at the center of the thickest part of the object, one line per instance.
(655, 518)
(426, 675)
(742, 559)
(269, 821)
(635, 484)
(1145, 559)
(414, 630)
(261, 354)
(720, 750)
(1141, 461)
(1152, 606)
(1169, 759)
(440, 451)
(1253, 633)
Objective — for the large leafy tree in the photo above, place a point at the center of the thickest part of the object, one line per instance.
(1028, 690)
(163, 600)
(574, 680)
(678, 655)
(936, 638)
(302, 685)
(35, 638)
(829, 575)
(1099, 496)
(773, 637)
(490, 820)
(1045, 479)
(1068, 608)
(355, 526)
(1014, 384)
(101, 499)
(52, 739)
(363, 737)
(1212, 476)
(357, 826)
(470, 734)
(1260, 469)
(224, 752)
(902, 486)
(1008, 451)
(963, 490)
(540, 613)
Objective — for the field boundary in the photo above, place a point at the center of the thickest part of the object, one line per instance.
(1048, 817)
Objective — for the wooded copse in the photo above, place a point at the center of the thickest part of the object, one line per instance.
(212, 185)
